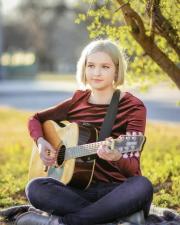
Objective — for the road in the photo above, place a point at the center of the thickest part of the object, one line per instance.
(161, 101)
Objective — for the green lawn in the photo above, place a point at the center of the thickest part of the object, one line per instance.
(160, 159)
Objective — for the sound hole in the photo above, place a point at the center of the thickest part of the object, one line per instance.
(61, 155)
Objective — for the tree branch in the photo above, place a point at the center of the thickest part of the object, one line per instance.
(134, 21)
(149, 9)
(163, 26)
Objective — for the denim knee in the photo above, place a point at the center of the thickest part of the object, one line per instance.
(37, 189)
(32, 188)
(146, 184)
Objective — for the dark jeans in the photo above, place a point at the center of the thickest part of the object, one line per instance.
(100, 203)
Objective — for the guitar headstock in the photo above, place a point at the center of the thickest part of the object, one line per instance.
(127, 143)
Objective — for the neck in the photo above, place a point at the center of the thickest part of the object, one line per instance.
(101, 96)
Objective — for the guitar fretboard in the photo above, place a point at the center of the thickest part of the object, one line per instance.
(82, 150)
(123, 146)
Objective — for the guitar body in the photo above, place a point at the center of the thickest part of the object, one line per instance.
(76, 172)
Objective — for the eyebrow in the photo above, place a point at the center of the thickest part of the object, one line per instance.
(101, 63)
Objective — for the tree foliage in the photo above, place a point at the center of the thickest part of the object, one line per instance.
(148, 30)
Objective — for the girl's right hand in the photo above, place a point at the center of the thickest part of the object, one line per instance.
(46, 151)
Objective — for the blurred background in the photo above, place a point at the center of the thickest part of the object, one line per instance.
(39, 47)
(40, 36)
(40, 43)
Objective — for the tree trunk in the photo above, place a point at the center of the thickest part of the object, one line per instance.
(160, 58)
(138, 32)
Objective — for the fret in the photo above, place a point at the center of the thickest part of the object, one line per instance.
(124, 145)
(82, 150)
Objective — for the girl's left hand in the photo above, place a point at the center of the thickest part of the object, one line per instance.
(107, 154)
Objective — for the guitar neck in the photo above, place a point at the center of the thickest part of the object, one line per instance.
(82, 150)
(127, 145)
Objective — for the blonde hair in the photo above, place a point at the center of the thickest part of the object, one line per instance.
(109, 47)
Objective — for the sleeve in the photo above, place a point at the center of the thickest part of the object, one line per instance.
(56, 113)
(137, 119)
(136, 122)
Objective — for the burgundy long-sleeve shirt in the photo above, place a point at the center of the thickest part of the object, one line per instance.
(131, 117)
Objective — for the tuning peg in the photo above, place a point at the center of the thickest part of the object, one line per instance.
(125, 155)
(134, 138)
(131, 154)
(128, 138)
(136, 154)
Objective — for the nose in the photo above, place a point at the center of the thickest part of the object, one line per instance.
(97, 71)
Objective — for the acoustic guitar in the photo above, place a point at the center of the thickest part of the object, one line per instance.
(75, 145)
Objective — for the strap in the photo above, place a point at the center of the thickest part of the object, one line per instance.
(110, 117)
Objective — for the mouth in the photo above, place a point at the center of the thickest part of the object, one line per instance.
(97, 80)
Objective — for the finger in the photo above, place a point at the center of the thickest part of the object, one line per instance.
(100, 154)
(108, 142)
(107, 149)
(101, 148)
(100, 151)
(121, 137)
(47, 158)
(134, 133)
(50, 153)
(104, 152)
(48, 163)
(128, 133)
(140, 133)
(109, 138)
(50, 147)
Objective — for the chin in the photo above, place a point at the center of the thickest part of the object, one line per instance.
(99, 88)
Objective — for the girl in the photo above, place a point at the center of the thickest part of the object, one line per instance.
(117, 189)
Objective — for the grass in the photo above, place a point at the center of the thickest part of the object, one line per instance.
(160, 159)
(161, 163)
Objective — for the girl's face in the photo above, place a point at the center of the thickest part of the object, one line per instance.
(100, 71)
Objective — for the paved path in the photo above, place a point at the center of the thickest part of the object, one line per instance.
(161, 101)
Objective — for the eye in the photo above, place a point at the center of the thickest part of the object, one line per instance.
(90, 65)
(106, 67)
